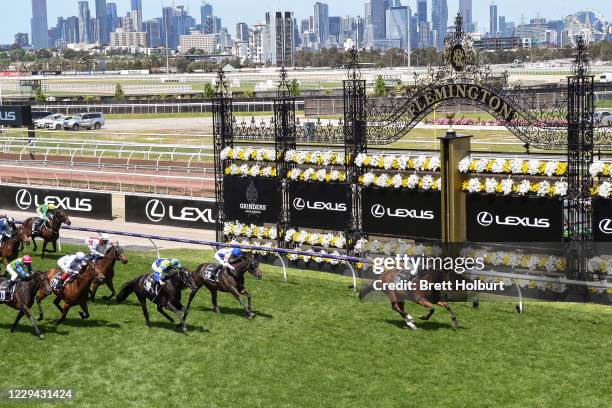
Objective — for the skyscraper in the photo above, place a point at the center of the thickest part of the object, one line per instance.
(103, 32)
(465, 9)
(136, 15)
(398, 26)
(137, 5)
(242, 32)
(168, 28)
(321, 23)
(153, 30)
(421, 11)
(279, 47)
(493, 28)
(206, 11)
(439, 21)
(378, 10)
(84, 22)
(39, 25)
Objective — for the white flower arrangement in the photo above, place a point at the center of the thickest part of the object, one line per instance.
(393, 247)
(326, 158)
(533, 167)
(599, 168)
(509, 186)
(400, 181)
(603, 190)
(237, 229)
(255, 243)
(319, 258)
(398, 162)
(251, 171)
(512, 259)
(320, 175)
(248, 153)
(327, 240)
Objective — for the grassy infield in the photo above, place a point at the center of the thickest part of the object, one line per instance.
(313, 344)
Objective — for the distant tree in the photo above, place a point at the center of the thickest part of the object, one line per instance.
(119, 94)
(380, 88)
(40, 96)
(294, 88)
(209, 91)
(248, 93)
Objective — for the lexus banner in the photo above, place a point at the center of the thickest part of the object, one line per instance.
(15, 115)
(402, 213)
(76, 203)
(252, 199)
(173, 212)
(492, 218)
(602, 219)
(319, 205)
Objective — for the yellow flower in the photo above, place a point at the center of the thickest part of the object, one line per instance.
(395, 164)
(561, 169)
(498, 188)
(542, 168)
(594, 190)
(472, 166)
(328, 177)
(227, 170)
(524, 167)
(381, 162)
(464, 187)
(534, 187)
(273, 172)
(506, 166)
(405, 182)
(342, 176)
(426, 163)
(532, 285)
(420, 183)
(359, 265)
(410, 164)
(489, 165)
(361, 179)
(241, 155)
(366, 161)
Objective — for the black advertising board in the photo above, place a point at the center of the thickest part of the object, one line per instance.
(83, 204)
(15, 115)
(602, 219)
(493, 218)
(255, 200)
(401, 212)
(319, 205)
(174, 212)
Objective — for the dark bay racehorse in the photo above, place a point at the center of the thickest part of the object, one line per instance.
(106, 267)
(425, 298)
(168, 296)
(74, 293)
(24, 296)
(9, 250)
(231, 282)
(49, 232)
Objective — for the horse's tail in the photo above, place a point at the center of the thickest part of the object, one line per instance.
(127, 290)
(366, 289)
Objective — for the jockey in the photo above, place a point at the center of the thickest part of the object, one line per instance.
(71, 265)
(98, 245)
(20, 268)
(163, 266)
(226, 256)
(45, 213)
(6, 227)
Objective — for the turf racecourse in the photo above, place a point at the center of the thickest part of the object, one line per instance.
(313, 344)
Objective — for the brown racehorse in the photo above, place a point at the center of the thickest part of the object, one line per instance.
(227, 282)
(106, 267)
(24, 296)
(49, 232)
(425, 298)
(74, 293)
(9, 250)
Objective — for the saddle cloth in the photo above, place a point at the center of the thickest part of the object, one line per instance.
(6, 295)
(211, 273)
(150, 286)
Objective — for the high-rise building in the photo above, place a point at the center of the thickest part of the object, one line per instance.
(335, 27)
(465, 9)
(346, 27)
(378, 11)
(137, 19)
(70, 31)
(137, 5)
(153, 30)
(122, 38)
(493, 27)
(242, 32)
(169, 36)
(321, 23)
(102, 31)
(84, 22)
(111, 13)
(206, 11)
(279, 47)
(439, 21)
(398, 26)
(421, 11)
(39, 25)
(359, 30)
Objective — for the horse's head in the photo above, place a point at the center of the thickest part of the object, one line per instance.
(42, 282)
(62, 217)
(118, 253)
(253, 266)
(186, 279)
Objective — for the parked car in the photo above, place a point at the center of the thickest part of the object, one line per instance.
(603, 118)
(93, 120)
(57, 124)
(44, 122)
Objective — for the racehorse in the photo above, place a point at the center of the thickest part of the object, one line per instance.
(106, 267)
(9, 250)
(426, 298)
(164, 296)
(74, 293)
(232, 282)
(49, 232)
(24, 295)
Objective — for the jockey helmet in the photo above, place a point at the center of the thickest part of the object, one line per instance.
(10, 220)
(80, 256)
(175, 262)
(27, 259)
(236, 252)
(51, 206)
(105, 237)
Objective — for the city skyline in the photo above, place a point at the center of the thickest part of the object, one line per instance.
(18, 18)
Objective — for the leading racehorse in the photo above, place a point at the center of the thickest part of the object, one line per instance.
(425, 298)
(74, 293)
(9, 250)
(49, 231)
(106, 267)
(227, 281)
(24, 295)
(164, 296)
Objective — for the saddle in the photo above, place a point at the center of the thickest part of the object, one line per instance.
(211, 273)
(6, 293)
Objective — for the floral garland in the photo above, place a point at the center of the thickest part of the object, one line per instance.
(247, 153)
(401, 181)
(599, 265)
(532, 167)
(319, 158)
(322, 175)
(255, 243)
(318, 259)
(509, 186)
(237, 229)
(252, 171)
(603, 190)
(517, 260)
(600, 168)
(398, 162)
(522, 283)
(395, 247)
(315, 239)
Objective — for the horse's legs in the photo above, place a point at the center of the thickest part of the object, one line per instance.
(161, 310)
(34, 244)
(39, 300)
(213, 298)
(54, 243)
(56, 302)
(34, 325)
(110, 285)
(427, 305)
(428, 315)
(236, 294)
(92, 291)
(178, 314)
(143, 303)
(85, 313)
(446, 305)
(191, 296)
(248, 295)
(399, 308)
(17, 319)
(44, 248)
(64, 313)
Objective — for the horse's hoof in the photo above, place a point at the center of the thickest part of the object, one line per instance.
(455, 325)
(39, 318)
(411, 326)
(41, 336)
(251, 316)
(217, 310)
(424, 317)
(12, 330)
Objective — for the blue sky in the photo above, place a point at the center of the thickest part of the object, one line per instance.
(16, 18)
